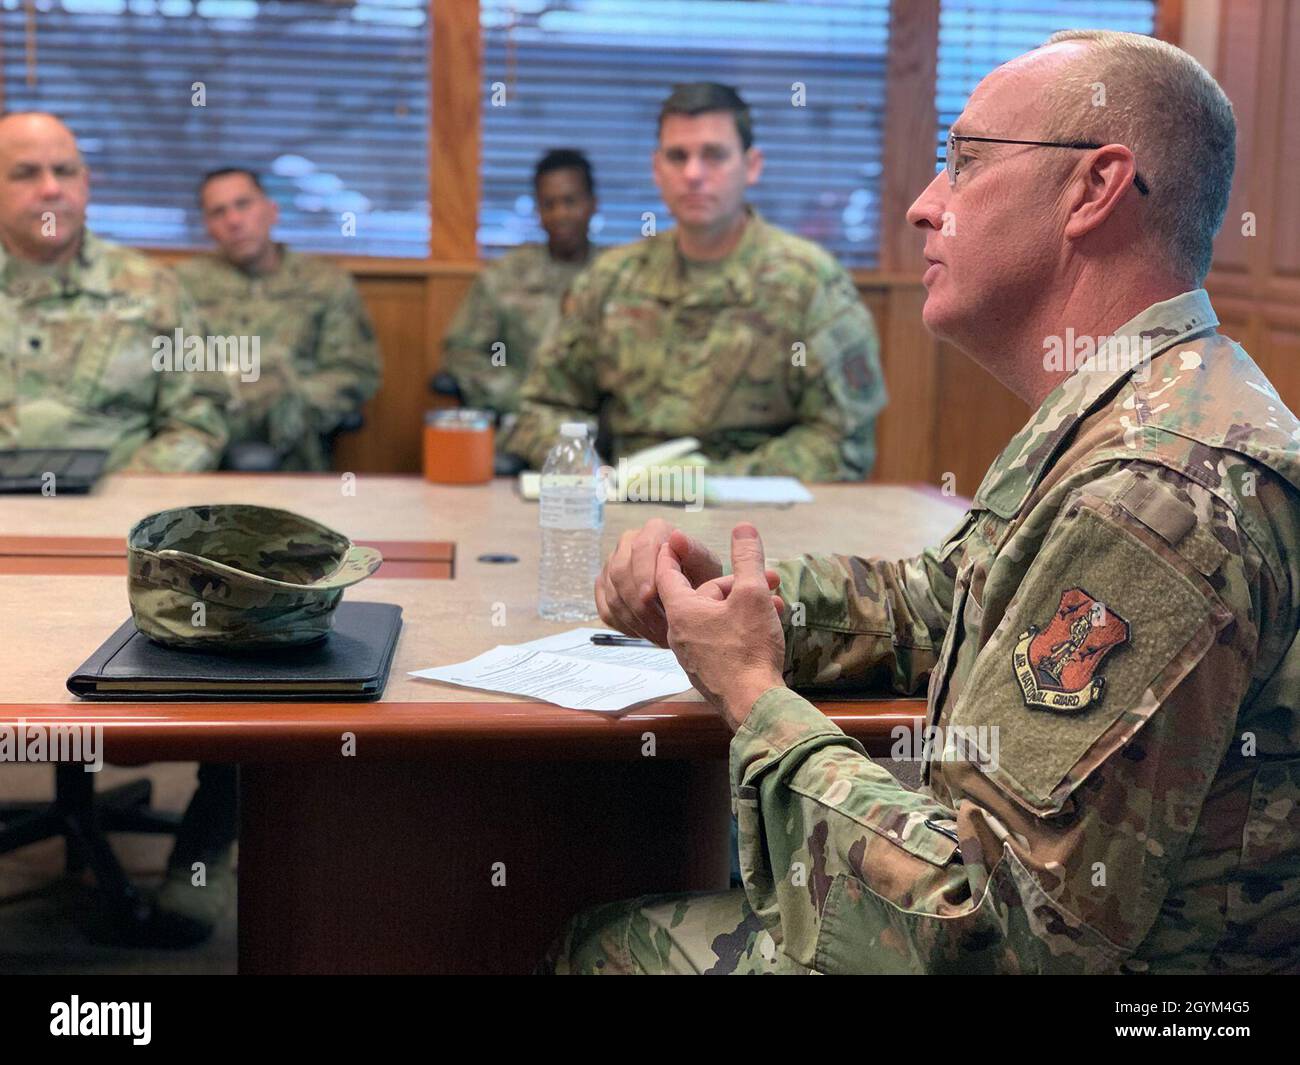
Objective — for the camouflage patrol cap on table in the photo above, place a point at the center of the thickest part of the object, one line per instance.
(265, 577)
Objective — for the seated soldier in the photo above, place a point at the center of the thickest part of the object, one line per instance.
(726, 329)
(80, 318)
(318, 359)
(1109, 635)
(515, 301)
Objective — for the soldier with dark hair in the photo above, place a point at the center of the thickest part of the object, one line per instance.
(515, 301)
(725, 329)
(318, 358)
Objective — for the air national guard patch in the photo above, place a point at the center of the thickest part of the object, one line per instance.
(1056, 667)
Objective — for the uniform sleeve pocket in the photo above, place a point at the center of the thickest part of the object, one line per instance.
(1104, 626)
(1013, 927)
(958, 536)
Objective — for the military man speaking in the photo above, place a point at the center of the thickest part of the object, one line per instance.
(1119, 607)
(725, 329)
(79, 318)
(319, 361)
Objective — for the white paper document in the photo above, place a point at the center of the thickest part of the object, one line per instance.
(768, 491)
(571, 671)
(718, 491)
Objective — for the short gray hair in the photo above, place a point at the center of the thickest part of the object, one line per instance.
(1167, 108)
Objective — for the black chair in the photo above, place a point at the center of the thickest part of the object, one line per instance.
(443, 384)
(83, 818)
(253, 456)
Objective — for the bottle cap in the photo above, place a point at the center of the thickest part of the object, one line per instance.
(574, 429)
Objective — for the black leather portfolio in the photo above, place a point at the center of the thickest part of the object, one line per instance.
(352, 662)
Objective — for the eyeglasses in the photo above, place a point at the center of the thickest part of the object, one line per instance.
(949, 159)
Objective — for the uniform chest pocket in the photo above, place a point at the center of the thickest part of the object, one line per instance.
(96, 361)
(632, 356)
(763, 394)
(285, 342)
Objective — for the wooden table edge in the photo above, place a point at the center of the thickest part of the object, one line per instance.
(135, 732)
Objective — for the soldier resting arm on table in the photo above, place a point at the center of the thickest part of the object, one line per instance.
(1110, 634)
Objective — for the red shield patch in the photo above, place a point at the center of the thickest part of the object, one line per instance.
(1056, 667)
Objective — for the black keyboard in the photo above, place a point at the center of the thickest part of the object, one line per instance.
(73, 469)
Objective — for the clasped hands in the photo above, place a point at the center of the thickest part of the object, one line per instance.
(669, 588)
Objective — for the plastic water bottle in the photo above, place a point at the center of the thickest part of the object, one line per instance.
(572, 519)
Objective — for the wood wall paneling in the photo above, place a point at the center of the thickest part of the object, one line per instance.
(911, 123)
(454, 142)
(1255, 281)
(975, 416)
(389, 440)
(1237, 72)
(1284, 240)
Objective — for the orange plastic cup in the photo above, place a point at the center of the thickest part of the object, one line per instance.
(458, 446)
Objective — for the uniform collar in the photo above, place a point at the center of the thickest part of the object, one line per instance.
(284, 266)
(733, 283)
(1018, 469)
(84, 272)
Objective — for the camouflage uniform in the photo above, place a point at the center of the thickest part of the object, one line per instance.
(319, 361)
(515, 302)
(1121, 604)
(768, 357)
(76, 362)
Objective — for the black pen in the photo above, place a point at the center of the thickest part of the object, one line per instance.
(611, 639)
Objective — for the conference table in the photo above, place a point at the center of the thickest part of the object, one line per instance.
(438, 829)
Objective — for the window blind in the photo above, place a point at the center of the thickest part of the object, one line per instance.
(591, 74)
(328, 101)
(977, 35)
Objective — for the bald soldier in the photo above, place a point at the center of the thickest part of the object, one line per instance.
(1109, 635)
(725, 329)
(79, 321)
(515, 301)
(319, 361)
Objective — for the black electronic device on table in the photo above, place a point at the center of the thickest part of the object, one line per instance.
(53, 470)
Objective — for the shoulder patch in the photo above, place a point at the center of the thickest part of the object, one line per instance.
(1057, 666)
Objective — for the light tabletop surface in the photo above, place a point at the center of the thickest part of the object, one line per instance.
(889, 520)
(54, 621)
(377, 861)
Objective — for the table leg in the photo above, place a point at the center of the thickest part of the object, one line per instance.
(353, 867)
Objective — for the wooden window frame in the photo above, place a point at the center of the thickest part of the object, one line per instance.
(456, 70)
(456, 55)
